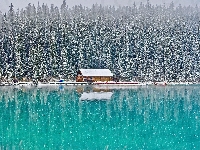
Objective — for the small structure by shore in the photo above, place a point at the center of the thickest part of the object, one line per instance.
(94, 75)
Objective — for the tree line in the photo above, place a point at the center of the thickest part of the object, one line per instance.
(145, 42)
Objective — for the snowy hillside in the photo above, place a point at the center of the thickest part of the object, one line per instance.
(142, 42)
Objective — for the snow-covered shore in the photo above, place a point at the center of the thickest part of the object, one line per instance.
(102, 84)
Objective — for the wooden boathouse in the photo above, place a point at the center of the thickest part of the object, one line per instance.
(94, 75)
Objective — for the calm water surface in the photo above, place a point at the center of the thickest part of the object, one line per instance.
(93, 118)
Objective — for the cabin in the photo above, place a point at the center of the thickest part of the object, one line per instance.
(94, 75)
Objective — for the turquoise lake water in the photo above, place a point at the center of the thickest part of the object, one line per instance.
(157, 118)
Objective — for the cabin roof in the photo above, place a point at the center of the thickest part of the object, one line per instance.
(96, 72)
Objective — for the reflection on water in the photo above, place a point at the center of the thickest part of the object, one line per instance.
(139, 118)
(96, 96)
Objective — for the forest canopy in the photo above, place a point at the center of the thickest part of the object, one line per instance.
(144, 43)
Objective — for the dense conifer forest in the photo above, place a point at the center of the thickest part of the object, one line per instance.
(145, 42)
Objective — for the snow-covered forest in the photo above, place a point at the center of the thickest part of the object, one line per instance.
(145, 42)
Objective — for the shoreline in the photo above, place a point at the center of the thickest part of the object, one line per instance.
(110, 83)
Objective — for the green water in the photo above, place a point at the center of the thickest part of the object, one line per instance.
(156, 118)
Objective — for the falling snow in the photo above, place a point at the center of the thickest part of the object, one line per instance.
(145, 42)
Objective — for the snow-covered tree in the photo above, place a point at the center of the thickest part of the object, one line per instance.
(144, 42)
